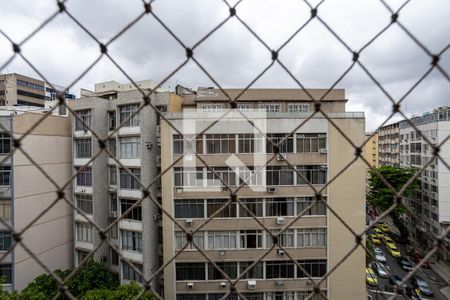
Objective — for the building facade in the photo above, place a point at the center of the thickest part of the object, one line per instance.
(103, 198)
(389, 146)
(16, 89)
(25, 193)
(232, 239)
(431, 202)
(371, 150)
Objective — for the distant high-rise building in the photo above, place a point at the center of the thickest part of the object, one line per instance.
(232, 239)
(16, 89)
(104, 190)
(25, 193)
(371, 149)
(431, 202)
(388, 145)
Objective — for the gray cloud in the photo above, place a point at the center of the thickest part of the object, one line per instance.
(232, 55)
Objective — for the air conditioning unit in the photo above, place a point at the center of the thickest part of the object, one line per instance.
(280, 252)
(190, 285)
(271, 189)
(251, 284)
(113, 189)
(113, 214)
(157, 217)
(179, 190)
(223, 284)
(159, 189)
(323, 150)
(279, 283)
(281, 156)
(189, 221)
(281, 221)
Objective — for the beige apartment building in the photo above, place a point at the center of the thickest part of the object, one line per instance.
(275, 195)
(371, 150)
(25, 193)
(389, 145)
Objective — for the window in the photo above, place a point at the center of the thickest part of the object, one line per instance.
(112, 175)
(220, 143)
(112, 146)
(5, 210)
(280, 296)
(134, 214)
(190, 271)
(85, 116)
(161, 109)
(270, 108)
(189, 208)
(279, 269)
(113, 202)
(185, 177)
(126, 112)
(5, 143)
(111, 120)
(311, 142)
(191, 297)
(279, 175)
(81, 255)
(127, 181)
(253, 205)
(131, 240)
(248, 143)
(229, 268)
(311, 237)
(244, 106)
(84, 232)
(130, 147)
(113, 257)
(30, 85)
(256, 272)
(5, 240)
(83, 148)
(313, 174)
(250, 239)
(211, 107)
(286, 147)
(6, 273)
(129, 273)
(222, 239)
(114, 231)
(285, 239)
(5, 175)
(84, 178)
(179, 143)
(298, 107)
(279, 207)
(84, 203)
(314, 267)
(181, 240)
(249, 177)
(221, 176)
(317, 209)
(303, 295)
(214, 205)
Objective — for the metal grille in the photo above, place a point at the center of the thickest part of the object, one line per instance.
(190, 56)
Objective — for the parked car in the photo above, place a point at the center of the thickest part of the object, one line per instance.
(387, 240)
(416, 257)
(375, 239)
(404, 263)
(378, 232)
(379, 255)
(371, 278)
(422, 285)
(384, 228)
(392, 249)
(394, 279)
(380, 269)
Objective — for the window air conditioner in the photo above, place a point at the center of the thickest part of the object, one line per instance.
(113, 214)
(323, 150)
(271, 189)
(251, 284)
(190, 285)
(281, 221)
(279, 283)
(223, 284)
(281, 156)
(189, 221)
(280, 252)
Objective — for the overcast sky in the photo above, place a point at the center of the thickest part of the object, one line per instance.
(61, 51)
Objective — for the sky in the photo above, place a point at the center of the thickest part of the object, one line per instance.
(61, 51)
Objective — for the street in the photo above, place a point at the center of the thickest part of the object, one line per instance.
(393, 268)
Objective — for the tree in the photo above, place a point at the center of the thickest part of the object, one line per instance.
(123, 292)
(382, 197)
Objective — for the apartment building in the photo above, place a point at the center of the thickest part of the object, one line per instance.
(389, 147)
(17, 89)
(25, 193)
(371, 149)
(104, 190)
(431, 203)
(232, 239)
